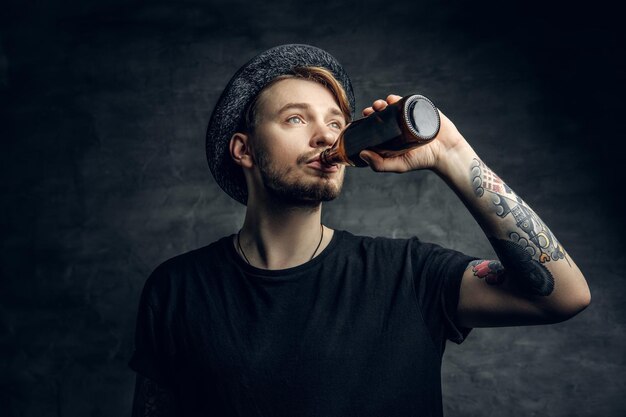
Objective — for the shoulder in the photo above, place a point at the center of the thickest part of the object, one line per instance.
(176, 271)
(207, 254)
(411, 248)
(382, 245)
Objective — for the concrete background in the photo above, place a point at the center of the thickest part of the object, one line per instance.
(104, 110)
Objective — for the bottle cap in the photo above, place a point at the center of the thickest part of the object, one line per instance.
(422, 117)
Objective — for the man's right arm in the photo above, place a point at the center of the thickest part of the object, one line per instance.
(152, 400)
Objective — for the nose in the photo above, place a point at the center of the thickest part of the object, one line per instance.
(323, 135)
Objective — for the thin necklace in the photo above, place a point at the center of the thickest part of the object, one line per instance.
(246, 258)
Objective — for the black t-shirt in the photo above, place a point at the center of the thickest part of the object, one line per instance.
(359, 330)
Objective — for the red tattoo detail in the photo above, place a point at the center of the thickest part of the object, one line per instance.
(491, 271)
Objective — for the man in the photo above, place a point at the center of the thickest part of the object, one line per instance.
(291, 318)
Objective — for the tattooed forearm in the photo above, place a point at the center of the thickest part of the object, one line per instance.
(530, 243)
(151, 400)
(529, 275)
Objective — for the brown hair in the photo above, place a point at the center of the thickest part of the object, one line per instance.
(319, 75)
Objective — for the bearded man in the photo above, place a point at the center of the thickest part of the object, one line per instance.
(288, 317)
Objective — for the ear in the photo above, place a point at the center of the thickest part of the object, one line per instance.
(240, 150)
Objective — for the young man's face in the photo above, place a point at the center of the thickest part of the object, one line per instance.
(297, 120)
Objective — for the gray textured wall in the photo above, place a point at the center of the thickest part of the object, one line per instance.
(104, 110)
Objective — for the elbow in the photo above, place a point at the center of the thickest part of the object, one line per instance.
(586, 299)
(583, 300)
(573, 307)
(580, 305)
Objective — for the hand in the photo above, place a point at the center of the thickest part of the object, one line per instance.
(427, 156)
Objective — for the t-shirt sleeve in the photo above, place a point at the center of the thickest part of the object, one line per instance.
(149, 357)
(437, 275)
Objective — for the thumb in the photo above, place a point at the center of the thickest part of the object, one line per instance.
(364, 155)
(375, 161)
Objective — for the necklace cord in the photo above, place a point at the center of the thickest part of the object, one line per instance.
(246, 258)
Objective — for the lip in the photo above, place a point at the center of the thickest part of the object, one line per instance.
(317, 164)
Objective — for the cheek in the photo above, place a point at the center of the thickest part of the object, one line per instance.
(283, 145)
(286, 150)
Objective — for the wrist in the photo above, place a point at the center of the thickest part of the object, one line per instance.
(455, 161)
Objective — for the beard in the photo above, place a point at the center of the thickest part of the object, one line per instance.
(296, 191)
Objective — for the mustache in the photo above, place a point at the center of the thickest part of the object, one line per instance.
(303, 159)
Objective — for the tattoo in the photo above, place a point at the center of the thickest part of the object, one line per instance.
(491, 271)
(529, 275)
(531, 243)
(151, 400)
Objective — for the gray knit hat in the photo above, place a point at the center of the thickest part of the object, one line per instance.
(241, 90)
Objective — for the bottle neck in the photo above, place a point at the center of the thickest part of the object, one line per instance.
(336, 154)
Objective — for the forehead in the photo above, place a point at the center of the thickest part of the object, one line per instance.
(292, 90)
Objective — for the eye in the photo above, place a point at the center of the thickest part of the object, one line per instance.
(336, 125)
(296, 120)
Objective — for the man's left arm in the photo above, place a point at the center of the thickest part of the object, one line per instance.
(534, 281)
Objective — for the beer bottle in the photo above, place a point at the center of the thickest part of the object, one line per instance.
(400, 127)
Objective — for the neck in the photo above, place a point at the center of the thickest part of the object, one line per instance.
(279, 237)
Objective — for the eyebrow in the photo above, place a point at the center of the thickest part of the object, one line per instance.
(305, 106)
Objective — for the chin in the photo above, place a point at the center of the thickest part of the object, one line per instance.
(302, 190)
(299, 194)
(311, 196)
(327, 195)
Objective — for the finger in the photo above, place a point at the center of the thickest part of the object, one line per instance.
(380, 164)
(375, 161)
(392, 98)
(372, 159)
(379, 105)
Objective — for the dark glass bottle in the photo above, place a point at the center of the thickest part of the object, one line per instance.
(400, 127)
